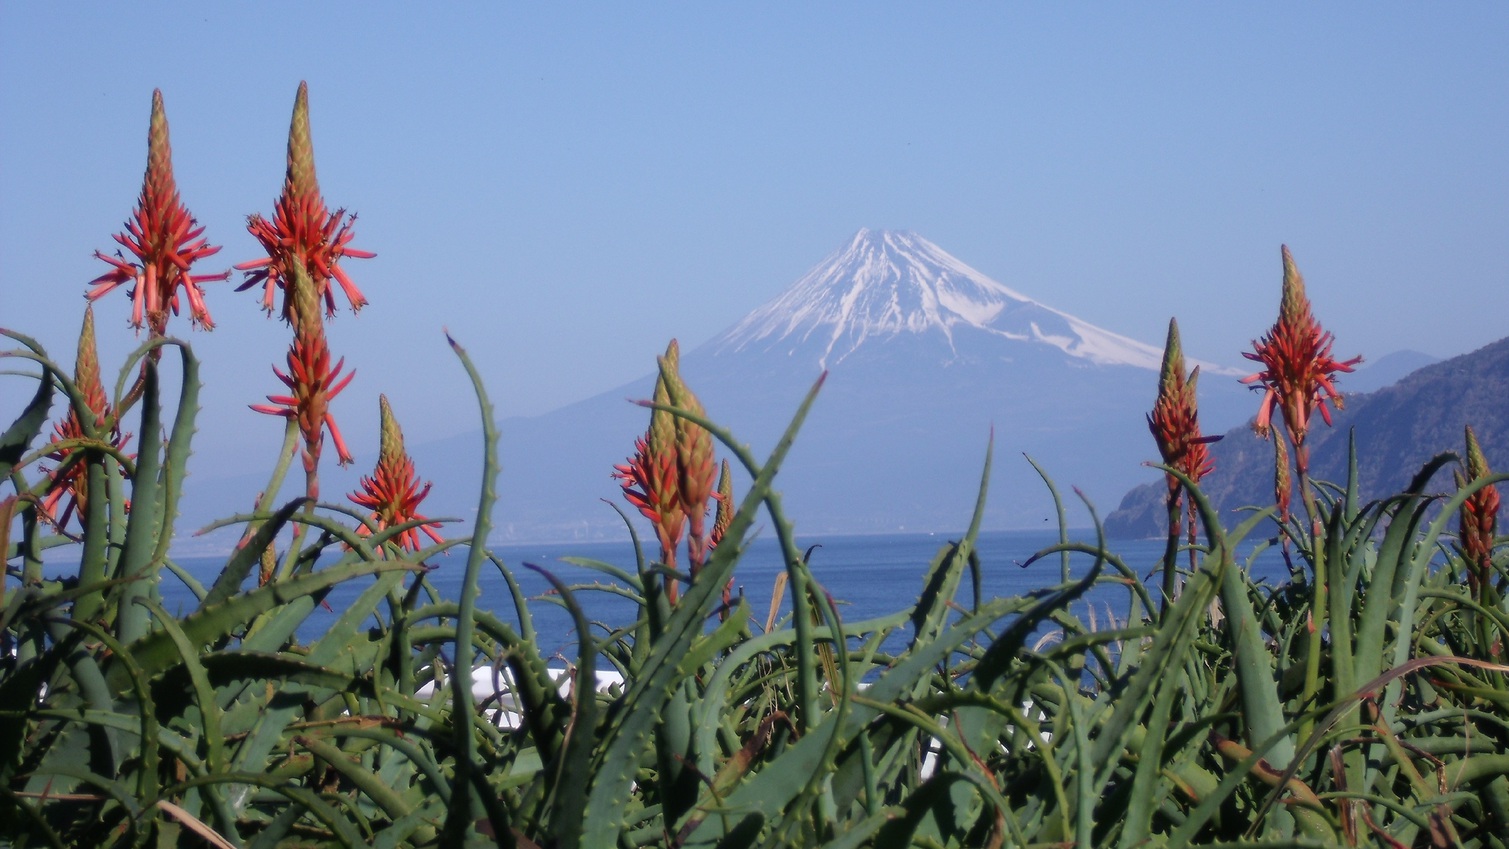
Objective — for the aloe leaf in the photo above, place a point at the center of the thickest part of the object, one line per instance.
(317, 675)
(342, 829)
(649, 692)
(930, 614)
(1004, 648)
(622, 575)
(400, 741)
(190, 582)
(1059, 512)
(520, 603)
(19, 689)
(247, 556)
(204, 697)
(343, 634)
(27, 425)
(568, 796)
(769, 793)
(941, 585)
(1262, 709)
(546, 714)
(178, 448)
(869, 831)
(13, 830)
(716, 690)
(392, 804)
(146, 511)
(155, 652)
(118, 792)
(459, 817)
(131, 673)
(1154, 681)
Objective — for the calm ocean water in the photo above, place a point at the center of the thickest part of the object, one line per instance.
(868, 576)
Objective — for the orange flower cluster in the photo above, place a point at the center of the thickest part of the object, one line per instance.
(1478, 518)
(1298, 378)
(1175, 419)
(393, 492)
(671, 476)
(165, 241)
(72, 482)
(303, 231)
(305, 243)
(1298, 369)
(312, 382)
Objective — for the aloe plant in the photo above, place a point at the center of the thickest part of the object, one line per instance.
(1362, 701)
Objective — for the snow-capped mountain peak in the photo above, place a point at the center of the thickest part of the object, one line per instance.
(885, 283)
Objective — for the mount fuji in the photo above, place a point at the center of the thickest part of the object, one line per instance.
(926, 358)
(885, 284)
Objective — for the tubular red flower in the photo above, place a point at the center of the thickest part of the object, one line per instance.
(651, 478)
(649, 482)
(1478, 518)
(164, 240)
(313, 382)
(1298, 375)
(393, 492)
(71, 482)
(696, 470)
(1175, 419)
(302, 231)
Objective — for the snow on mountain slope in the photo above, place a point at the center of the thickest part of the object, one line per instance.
(885, 283)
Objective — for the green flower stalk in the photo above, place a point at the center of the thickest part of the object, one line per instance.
(164, 241)
(723, 516)
(1283, 483)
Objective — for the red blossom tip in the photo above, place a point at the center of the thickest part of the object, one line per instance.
(393, 491)
(1298, 368)
(303, 234)
(164, 241)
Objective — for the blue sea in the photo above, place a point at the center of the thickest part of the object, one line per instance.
(868, 576)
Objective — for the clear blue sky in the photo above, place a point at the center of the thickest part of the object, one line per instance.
(566, 187)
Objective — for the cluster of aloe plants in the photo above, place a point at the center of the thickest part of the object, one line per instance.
(1362, 701)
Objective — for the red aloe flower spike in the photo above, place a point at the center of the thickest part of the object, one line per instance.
(165, 241)
(393, 492)
(696, 470)
(303, 231)
(651, 480)
(72, 483)
(1298, 369)
(1478, 518)
(1175, 419)
(311, 380)
(1175, 423)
